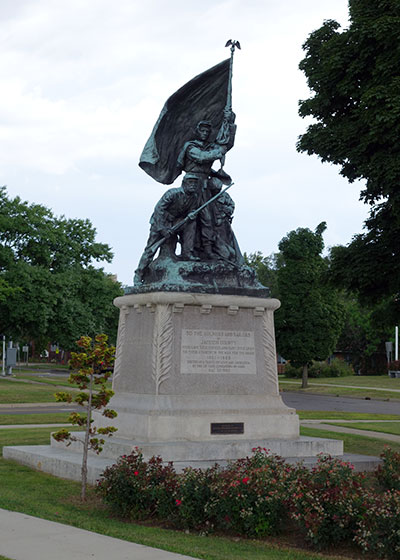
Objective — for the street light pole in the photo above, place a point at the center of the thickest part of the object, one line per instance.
(3, 371)
(396, 343)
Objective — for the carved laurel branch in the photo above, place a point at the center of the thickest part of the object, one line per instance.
(270, 351)
(120, 342)
(162, 345)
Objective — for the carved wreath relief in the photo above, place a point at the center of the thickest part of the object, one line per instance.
(269, 350)
(120, 342)
(162, 345)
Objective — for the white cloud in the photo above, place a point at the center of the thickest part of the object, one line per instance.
(83, 82)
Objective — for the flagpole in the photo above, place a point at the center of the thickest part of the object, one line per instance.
(223, 134)
(233, 44)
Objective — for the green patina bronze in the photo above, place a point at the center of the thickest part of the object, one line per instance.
(189, 137)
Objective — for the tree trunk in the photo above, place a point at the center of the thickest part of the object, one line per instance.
(304, 377)
(86, 442)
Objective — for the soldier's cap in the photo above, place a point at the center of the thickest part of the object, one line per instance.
(190, 176)
(204, 123)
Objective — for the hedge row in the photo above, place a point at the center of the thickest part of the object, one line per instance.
(261, 495)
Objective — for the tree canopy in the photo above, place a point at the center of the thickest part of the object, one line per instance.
(265, 268)
(311, 317)
(354, 76)
(49, 288)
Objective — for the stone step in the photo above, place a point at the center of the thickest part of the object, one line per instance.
(214, 451)
(66, 464)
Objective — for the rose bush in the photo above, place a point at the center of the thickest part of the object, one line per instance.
(137, 489)
(378, 530)
(388, 473)
(260, 495)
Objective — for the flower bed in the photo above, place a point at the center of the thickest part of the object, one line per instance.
(262, 495)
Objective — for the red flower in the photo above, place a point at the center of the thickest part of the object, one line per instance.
(136, 473)
(245, 480)
(178, 502)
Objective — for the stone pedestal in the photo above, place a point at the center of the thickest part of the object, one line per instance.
(198, 368)
(195, 382)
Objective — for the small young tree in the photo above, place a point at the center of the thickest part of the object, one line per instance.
(94, 368)
(311, 317)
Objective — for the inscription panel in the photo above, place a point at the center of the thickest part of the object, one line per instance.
(217, 351)
(227, 428)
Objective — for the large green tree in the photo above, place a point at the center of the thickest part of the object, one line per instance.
(354, 76)
(364, 330)
(266, 270)
(310, 319)
(49, 288)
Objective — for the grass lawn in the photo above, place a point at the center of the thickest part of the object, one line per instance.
(328, 389)
(21, 392)
(41, 365)
(47, 497)
(353, 443)
(335, 414)
(42, 495)
(46, 380)
(32, 389)
(26, 436)
(383, 381)
(384, 427)
(46, 418)
(52, 380)
(50, 418)
(25, 490)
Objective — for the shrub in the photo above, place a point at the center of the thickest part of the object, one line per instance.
(388, 474)
(250, 495)
(247, 497)
(194, 498)
(337, 368)
(395, 365)
(292, 372)
(378, 529)
(137, 489)
(258, 495)
(327, 502)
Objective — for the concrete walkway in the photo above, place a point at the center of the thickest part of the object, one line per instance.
(23, 537)
(344, 430)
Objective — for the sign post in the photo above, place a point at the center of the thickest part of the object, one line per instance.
(25, 350)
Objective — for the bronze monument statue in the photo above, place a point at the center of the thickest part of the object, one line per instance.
(196, 128)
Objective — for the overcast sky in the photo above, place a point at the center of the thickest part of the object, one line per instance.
(83, 82)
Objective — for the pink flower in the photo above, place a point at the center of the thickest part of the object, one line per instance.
(245, 480)
(178, 502)
(136, 473)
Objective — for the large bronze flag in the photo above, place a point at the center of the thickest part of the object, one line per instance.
(203, 98)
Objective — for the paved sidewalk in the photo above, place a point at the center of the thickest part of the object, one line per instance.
(23, 537)
(344, 430)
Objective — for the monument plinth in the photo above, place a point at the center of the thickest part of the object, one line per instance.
(189, 363)
(196, 381)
